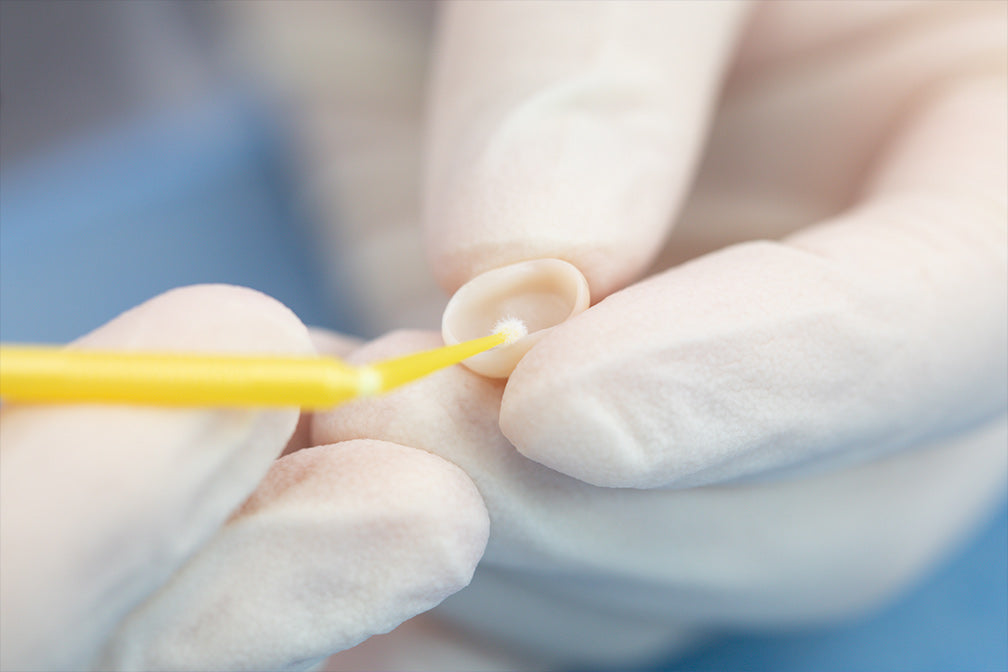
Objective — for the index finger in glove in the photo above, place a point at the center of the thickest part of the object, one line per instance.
(881, 328)
(567, 130)
(100, 504)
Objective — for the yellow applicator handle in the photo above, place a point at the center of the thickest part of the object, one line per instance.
(39, 374)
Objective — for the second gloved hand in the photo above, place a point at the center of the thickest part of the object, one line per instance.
(127, 545)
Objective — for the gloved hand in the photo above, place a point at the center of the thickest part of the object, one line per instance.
(783, 430)
(881, 319)
(125, 542)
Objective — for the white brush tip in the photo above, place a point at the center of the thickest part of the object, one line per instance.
(512, 328)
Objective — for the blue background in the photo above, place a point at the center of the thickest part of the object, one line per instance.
(205, 196)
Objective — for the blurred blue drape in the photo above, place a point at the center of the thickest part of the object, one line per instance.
(198, 195)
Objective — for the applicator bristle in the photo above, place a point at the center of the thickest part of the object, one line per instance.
(512, 328)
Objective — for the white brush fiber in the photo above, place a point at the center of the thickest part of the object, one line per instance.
(513, 329)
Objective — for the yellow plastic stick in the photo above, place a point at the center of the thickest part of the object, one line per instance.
(59, 375)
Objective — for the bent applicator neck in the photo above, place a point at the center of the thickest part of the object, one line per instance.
(402, 370)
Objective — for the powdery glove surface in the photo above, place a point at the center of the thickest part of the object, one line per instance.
(339, 542)
(582, 574)
(117, 547)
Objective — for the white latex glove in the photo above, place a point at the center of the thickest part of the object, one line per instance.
(880, 324)
(786, 430)
(125, 542)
